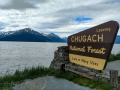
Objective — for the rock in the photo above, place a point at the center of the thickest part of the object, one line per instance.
(61, 59)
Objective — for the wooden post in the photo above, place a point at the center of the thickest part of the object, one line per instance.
(114, 79)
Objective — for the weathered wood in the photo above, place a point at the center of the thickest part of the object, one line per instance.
(114, 79)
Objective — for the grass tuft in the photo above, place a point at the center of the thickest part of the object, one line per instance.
(34, 72)
(114, 57)
(8, 80)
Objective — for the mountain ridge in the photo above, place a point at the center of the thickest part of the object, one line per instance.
(27, 34)
(30, 35)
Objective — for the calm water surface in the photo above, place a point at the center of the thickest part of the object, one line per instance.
(18, 55)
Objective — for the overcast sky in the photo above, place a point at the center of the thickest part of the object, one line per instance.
(62, 17)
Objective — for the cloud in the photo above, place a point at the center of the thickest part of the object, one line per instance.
(22, 4)
(38, 1)
(62, 17)
(14, 25)
(3, 25)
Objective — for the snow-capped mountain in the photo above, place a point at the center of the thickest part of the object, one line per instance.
(65, 39)
(3, 34)
(54, 38)
(28, 34)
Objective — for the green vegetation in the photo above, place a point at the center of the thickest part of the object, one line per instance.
(119, 82)
(114, 57)
(8, 81)
(34, 72)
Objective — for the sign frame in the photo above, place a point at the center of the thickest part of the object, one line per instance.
(92, 47)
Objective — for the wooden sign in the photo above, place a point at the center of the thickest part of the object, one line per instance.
(92, 47)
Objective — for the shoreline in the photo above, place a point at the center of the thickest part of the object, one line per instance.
(29, 76)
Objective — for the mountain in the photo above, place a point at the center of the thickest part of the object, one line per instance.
(26, 34)
(65, 39)
(4, 34)
(117, 40)
(54, 38)
(29, 35)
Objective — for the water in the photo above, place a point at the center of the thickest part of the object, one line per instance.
(18, 55)
(115, 49)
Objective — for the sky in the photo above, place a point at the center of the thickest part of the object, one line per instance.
(62, 17)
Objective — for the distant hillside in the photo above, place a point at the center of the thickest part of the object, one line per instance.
(29, 35)
(117, 40)
(65, 39)
(54, 38)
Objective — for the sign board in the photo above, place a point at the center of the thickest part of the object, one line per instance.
(92, 47)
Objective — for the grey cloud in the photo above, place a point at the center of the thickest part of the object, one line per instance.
(92, 11)
(55, 31)
(18, 5)
(56, 24)
(65, 19)
(88, 10)
(68, 15)
(38, 1)
(50, 25)
(61, 22)
(15, 25)
(1, 28)
(22, 4)
(3, 25)
(79, 11)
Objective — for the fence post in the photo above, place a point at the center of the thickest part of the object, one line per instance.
(114, 79)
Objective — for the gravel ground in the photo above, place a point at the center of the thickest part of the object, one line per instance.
(49, 83)
(115, 65)
(52, 83)
(31, 84)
